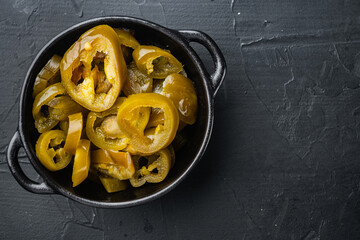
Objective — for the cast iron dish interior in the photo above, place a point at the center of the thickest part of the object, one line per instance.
(149, 34)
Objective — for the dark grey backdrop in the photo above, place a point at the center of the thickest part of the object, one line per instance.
(283, 161)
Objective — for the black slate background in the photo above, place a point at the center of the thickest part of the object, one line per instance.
(283, 161)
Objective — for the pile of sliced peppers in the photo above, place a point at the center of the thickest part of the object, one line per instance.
(113, 108)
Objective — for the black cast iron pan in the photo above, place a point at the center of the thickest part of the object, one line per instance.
(177, 41)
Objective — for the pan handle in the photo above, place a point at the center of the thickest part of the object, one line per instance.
(220, 65)
(13, 162)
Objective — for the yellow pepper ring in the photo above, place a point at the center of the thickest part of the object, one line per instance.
(81, 162)
(156, 118)
(156, 62)
(74, 132)
(97, 136)
(161, 161)
(51, 158)
(43, 123)
(182, 93)
(137, 139)
(77, 64)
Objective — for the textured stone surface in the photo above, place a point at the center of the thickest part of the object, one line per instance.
(283, 161)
